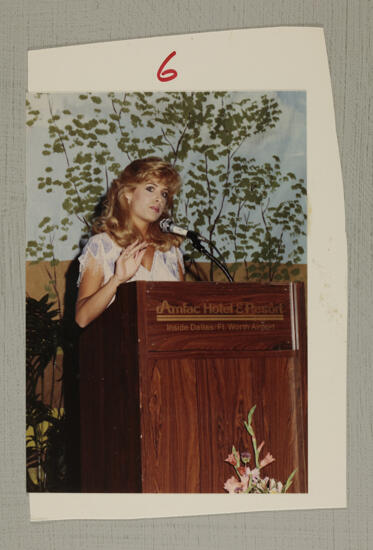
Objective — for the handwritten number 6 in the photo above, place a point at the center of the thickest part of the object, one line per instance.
(169, 74)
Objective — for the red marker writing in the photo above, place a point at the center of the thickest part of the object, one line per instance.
(168, 74)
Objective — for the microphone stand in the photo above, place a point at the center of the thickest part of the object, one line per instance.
(196, 241)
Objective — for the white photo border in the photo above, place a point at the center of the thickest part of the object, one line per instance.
(279, 59)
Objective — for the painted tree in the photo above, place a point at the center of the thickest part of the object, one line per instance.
(262, 230)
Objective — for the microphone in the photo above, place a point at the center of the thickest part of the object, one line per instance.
(168, 226)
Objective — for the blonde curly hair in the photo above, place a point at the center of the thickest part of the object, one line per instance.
(115, 219)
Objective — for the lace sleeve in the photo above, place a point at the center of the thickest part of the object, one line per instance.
(92, 250)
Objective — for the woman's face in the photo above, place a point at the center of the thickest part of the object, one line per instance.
(147, 203)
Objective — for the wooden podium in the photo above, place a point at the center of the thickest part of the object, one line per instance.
(168, 374)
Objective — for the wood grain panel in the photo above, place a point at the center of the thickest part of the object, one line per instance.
(169, 428)
(195, 412)
(224, 394)
(110, 446)
(276, 386)
(227, 389)
(92, 401)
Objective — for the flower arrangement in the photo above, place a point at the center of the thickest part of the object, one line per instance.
(249, 479)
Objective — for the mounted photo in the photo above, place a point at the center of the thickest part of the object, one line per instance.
(166, 281)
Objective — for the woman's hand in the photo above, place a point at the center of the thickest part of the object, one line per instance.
(129, 261)
(93, 296)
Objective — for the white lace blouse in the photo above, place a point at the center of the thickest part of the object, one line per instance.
(165, 265)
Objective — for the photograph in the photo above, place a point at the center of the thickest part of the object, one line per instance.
(166, 292)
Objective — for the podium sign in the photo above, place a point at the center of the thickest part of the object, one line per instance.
(169, 373)
(241, 317)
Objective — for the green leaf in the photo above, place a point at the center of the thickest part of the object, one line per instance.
(289, 481)
(44, 221)
(236, 455)
(249, 419)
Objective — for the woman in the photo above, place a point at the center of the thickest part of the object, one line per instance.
(128, 244)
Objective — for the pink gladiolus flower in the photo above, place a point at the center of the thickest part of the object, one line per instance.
(231, 459)
(241, 470)
(232, 485)
(254, 474)
(264, 481)
(245, 457)
(248, 480)
(244, 482)
(266, 460)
